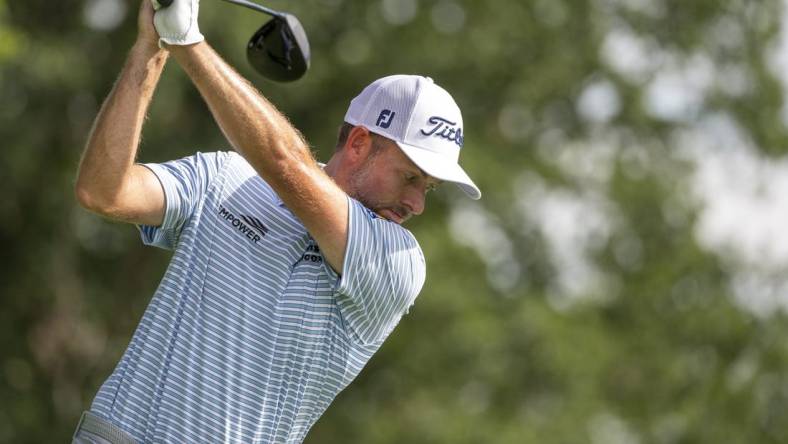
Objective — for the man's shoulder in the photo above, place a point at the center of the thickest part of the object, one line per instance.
(237, 167)
(234, 161)
(390, 232)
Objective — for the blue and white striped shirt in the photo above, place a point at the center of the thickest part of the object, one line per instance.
(251, 334)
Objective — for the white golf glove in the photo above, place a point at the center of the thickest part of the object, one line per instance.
(177, 23)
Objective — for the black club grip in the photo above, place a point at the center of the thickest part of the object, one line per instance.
(164, 3)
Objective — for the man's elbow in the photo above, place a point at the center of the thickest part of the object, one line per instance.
(91, 200)
(84, 196)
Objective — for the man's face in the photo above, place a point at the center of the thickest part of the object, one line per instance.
(390, 184)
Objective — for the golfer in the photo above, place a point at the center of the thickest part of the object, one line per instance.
(287, 275)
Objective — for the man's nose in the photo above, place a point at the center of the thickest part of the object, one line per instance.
(414, 202)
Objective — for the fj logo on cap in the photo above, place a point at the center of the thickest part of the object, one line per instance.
(385, 118)
(444, 128)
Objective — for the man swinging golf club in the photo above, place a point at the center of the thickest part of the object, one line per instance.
(286, 276)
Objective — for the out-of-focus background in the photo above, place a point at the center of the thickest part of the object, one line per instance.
(623, 280)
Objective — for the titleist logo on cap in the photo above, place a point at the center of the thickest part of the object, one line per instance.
(443, 128)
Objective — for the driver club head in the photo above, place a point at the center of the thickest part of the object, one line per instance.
(279, 50)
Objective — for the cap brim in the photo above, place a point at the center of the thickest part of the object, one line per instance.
(436, 166)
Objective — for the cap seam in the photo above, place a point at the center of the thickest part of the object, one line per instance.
(415, 104)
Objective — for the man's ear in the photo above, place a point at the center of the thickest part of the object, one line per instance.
(358, 144)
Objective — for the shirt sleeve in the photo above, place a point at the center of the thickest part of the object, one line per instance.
(185, 182)
(383, 273)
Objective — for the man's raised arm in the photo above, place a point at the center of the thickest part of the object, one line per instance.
(109, 182)
(267, 140)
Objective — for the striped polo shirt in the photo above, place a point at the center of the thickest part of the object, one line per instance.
(251, 334)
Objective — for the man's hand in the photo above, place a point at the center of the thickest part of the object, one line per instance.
(146, 33)
(177, 23)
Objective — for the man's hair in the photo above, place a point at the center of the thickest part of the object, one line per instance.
(344, 132)
(378, 141)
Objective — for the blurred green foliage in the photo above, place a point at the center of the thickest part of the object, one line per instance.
(498, 349)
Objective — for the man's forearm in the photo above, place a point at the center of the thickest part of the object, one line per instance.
(254, 127)
(274, 148)
(112, 145)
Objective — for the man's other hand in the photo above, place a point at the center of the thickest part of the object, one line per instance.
(176, 24)
(146, 33)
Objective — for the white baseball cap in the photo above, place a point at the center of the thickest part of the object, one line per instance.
(422, 118)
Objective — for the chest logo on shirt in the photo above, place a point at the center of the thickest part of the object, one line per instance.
(249, 226)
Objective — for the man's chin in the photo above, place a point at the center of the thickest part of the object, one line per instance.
(385, 213)
(391, 215)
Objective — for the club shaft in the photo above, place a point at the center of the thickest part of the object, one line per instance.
(244, 3)
(256, 7)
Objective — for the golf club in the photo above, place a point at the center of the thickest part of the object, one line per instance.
(279, 50)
